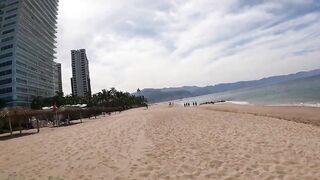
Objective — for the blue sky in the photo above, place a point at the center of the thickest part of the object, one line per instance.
(166, 43)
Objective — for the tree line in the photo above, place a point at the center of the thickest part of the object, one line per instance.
(105, 98)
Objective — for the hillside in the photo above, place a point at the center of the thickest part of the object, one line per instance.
(174, 93)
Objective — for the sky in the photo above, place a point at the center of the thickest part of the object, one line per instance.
(170, 43)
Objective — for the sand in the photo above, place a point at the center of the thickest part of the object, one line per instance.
(167, 143)
(301, 114)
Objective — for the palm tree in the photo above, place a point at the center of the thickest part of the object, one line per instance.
(105, 98)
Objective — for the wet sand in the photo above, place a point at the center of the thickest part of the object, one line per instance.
(300, 114)
(167, 143)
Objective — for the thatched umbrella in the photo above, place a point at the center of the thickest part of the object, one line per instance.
(16, 114)
(4, 115)
(71, 113)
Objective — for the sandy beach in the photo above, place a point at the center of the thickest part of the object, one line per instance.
(300, 114)
(168, 143)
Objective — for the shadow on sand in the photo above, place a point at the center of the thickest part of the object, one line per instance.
(7, 136)
(16, 134)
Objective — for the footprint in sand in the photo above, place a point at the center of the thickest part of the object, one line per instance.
(113, 167)
(149, 168)
(215, 164)
(144, 174)
(119, 178)
(54, 178)
(186, 168)
(188, 176)
(210, 175)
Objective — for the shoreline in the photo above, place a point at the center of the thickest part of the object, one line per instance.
(239, 102)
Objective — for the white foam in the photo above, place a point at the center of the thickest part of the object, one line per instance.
(239, 102)
(310, 104)
(299, 104)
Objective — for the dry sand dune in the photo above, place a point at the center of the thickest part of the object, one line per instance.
(167, 143)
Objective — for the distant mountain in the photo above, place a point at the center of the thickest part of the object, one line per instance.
(168, 94)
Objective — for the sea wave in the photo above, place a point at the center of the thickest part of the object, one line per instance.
(299, 104)
(239, 102)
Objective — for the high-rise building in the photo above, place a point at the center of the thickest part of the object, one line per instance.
(80, 81)
(57, 79)
(27, 43)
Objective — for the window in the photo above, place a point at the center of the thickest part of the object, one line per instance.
(8, 98)
(9, 17)
(6, 55)
(5, 90)
(11, 10)
(22, 81)
(13, 3)
(5, 81)
(8, 31)
(21, 72)
(33, 91)
(23, 98)
(23, 90)
(7, 39)
(21, 64)
(9, 24)
(7, 47)
(3, 73)
(8, 63)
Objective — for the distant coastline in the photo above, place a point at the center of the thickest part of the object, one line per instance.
(302, 87)
(300, 92)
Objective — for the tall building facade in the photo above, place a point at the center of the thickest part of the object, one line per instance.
(80, 81)
(57, 79)
(27, 43)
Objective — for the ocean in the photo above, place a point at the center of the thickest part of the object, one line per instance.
(300, 92)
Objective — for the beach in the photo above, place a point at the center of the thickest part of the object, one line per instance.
(299, 114)
(162, 142)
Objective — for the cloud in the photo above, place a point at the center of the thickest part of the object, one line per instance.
(138, 44)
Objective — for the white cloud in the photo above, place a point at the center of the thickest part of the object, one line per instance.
(138, 44)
